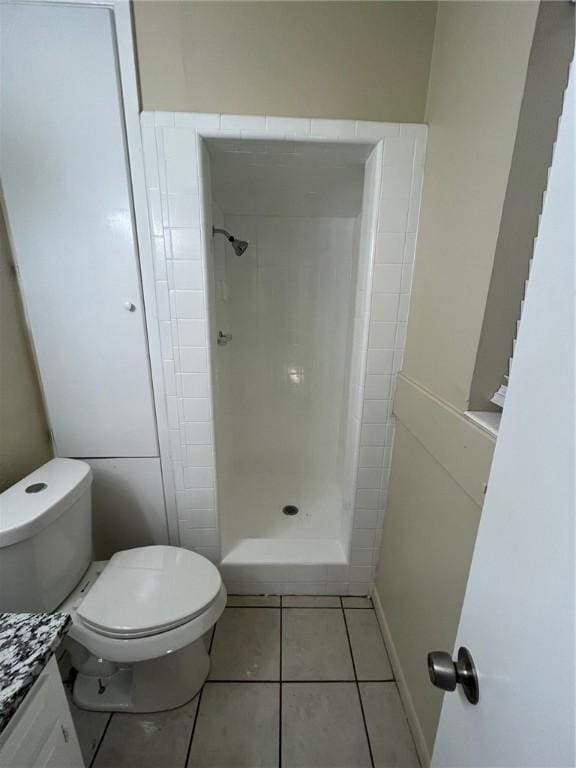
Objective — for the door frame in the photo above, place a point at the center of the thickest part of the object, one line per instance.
(129, 89)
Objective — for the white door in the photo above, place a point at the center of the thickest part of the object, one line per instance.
(64, 171)
(518, 614)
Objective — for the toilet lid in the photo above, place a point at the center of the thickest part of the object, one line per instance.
(149, 590)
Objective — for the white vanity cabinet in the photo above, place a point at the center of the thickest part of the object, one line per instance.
(41, 733)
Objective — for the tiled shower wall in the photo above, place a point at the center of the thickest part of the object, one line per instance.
(180, 228)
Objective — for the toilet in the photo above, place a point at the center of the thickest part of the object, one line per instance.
(139, 620)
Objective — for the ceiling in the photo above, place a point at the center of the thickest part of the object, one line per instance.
(287, 178)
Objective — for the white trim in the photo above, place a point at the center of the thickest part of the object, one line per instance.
(131, 109)
(409, 708)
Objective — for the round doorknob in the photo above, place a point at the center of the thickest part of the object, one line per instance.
(442, 670)
(447, 674)
(129, 306)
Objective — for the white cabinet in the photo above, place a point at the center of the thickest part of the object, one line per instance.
(65, 177)
(41, 733)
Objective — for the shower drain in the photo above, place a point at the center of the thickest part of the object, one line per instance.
(290, 509)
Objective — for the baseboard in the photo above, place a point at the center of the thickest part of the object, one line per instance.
(409, 708)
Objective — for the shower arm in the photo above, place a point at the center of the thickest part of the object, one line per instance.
(216, 231)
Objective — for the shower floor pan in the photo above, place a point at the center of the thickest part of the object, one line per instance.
(285, 566)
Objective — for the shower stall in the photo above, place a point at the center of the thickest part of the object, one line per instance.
(282, 319)
(282, 344)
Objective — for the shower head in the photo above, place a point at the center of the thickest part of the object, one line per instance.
(238, 245)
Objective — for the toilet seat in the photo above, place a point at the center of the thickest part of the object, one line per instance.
(99, 625)
(148, 591)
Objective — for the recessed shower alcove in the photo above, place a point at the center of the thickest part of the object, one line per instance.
(285, 309)
(280, 356)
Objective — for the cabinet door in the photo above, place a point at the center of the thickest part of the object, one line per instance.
(64, 170)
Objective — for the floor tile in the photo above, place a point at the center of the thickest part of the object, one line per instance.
(237, 726)
(148, 741)
(89, 727)
(322, 726)
(314, 645)
(390, 738)
(252, 601)
(246, 645)
(370, 655)
(357, 602)
(310, 601)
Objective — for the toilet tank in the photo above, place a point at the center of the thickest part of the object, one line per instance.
(45, 536)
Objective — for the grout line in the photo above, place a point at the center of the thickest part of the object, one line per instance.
(280, 689)
(101, 740)
(193, 731)
(357, 686)
(298, 682)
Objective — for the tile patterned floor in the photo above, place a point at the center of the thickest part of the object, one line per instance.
(295, 682)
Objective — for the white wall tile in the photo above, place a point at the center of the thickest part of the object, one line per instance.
(406, 281)
(393, 214)
(162, 300)
(390, 247)
(200, 455)
(198, 433)
(194, 384)
(361, 556)
(399, 151)
(403, 307)
(192, 333)
(384, 307)
(333, 128)
(189, 305)
(200, 498)
(370, 457)
(243, 122)
(196, 409)
(380, 361)
(183, 210)
(159, 256)
(193, 360)
(377, 386)
(200, 477)
(155, 208)
(382, 335)
(185, 243)
(396, 181)
(369, 478)
(188, 275)
(197, 120)
(372, 130)
(373, 434)
(181, 178)
(365, 519)
(296, 125)
(376, 411)
(363, 539)
(387, 278)
(169, 377)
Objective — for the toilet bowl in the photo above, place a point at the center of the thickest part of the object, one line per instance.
(139, 620)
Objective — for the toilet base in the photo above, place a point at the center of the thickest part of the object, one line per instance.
(146, 686)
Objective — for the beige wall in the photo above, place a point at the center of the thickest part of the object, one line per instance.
(476, 85)
(546, 80)
(441, 460)
(357, 60)
(24, 443)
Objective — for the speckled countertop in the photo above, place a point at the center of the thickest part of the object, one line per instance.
(27, 640)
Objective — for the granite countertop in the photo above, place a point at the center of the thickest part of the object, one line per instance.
(27, 641)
